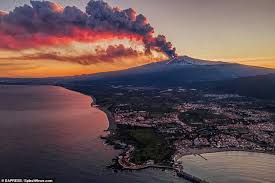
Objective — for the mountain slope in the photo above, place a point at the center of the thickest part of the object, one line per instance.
(180, 71)
(176, 72)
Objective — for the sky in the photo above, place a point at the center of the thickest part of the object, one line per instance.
(240, 31)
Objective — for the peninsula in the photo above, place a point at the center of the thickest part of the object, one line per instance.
(155, 126)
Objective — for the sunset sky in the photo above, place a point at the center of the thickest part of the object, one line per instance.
(240, 31)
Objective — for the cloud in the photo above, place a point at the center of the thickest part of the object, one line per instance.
(111, 54)
(7, 66)
(45, 24)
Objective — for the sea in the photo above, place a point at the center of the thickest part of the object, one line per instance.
(52, 133)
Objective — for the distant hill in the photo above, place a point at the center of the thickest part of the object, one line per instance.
(257, 86)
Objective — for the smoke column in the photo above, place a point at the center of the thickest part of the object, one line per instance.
(45, 24)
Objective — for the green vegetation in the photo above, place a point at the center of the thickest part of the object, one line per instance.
(198, 117)
(149, 145)
(194, 117)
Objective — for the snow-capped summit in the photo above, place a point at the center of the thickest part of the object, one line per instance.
(185, 60)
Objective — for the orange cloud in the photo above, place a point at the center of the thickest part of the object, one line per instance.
(111, 54)
(37, 40)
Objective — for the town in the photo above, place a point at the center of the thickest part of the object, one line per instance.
(157, 126)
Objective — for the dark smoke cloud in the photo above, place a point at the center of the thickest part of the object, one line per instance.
(161, 44)
(102, 17)
(25, 25)
(110, 54)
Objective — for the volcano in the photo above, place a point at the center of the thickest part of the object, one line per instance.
(178, 71)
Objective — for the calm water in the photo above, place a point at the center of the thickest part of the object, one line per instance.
(229, 167)
(51, 132)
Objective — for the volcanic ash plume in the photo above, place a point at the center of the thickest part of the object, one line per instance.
(47, 24)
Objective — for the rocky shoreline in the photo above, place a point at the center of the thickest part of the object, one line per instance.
(125, 164)
(122, 162)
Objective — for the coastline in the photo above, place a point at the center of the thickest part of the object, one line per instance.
(192, 151)
(111, 120)
(112, 127)
(179, 170)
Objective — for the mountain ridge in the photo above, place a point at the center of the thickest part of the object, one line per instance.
(185, 68)
(180, 70)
